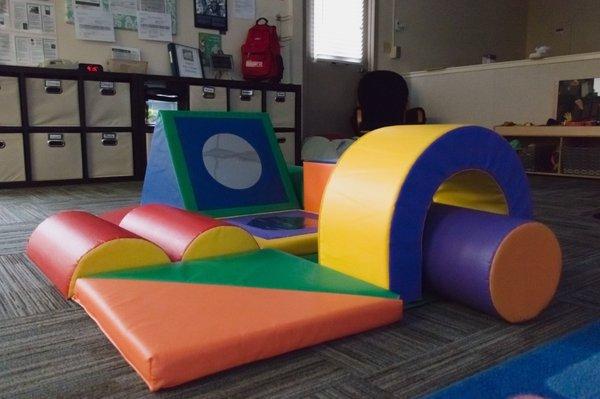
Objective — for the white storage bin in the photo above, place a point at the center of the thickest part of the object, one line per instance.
(281, 107)
(245, 100)
(109, 154)
(52, 102)
(288, 148)
(10, 110)
(208, 98)
(107, 104)
(12, 157)
(55, 156)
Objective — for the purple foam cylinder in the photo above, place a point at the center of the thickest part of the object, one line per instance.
(458, 249)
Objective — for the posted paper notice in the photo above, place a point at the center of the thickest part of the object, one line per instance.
(154, 26)
(93, 23)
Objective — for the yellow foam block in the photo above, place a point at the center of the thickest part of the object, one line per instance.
(352, 201)
(305, 244)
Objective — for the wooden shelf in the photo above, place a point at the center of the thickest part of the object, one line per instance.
(562, 175)
(560, 133)
(548, 131)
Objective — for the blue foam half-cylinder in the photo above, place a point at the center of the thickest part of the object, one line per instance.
(502, 265)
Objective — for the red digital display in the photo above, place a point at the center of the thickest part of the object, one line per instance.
(91, 68)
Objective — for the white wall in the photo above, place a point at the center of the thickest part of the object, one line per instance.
(488, 95)
(578, 21)
(442, 33)
(156, 52)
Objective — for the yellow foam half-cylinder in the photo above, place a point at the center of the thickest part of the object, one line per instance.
(375, 204)
(218, 241)
(305, 244)
(119, 254)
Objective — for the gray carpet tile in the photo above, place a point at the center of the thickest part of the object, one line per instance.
(24, 291)
(50, 348)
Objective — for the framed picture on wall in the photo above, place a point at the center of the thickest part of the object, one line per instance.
(211, 14)
(186, 62)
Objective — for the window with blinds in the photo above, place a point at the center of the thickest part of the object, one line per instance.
(338, 30)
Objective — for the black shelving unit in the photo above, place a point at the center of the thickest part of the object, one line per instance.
(139, 93)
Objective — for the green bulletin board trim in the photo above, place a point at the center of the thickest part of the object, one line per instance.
(126, 22)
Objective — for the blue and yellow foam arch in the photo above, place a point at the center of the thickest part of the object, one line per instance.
(375, 205)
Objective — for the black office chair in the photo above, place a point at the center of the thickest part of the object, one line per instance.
(382, 101)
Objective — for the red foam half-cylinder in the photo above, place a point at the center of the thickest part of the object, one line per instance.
(74, 244)
(185, 235)
(115, 216)
(501, 265)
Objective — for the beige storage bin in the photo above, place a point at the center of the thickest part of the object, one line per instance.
(107, 104)
(10, 100)
(288, 148)
(12, 158)
(281, 107)
(208, 98)
(109, 154)
(245, 100)
(148, 144)
(52, 102)
(55, 156)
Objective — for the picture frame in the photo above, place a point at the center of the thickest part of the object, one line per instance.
(211, 14)
(186, 61)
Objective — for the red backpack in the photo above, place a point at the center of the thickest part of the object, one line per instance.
(261, 53)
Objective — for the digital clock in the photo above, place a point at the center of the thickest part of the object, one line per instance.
(91, 68)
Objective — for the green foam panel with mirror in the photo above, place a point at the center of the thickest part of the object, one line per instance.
(219, 163)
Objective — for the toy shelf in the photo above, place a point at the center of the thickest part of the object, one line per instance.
(68, 126)
(567, 151)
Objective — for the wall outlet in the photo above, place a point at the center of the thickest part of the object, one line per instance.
(399, 26)
(395, 52)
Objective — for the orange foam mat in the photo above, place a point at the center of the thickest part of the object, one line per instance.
(172, 333)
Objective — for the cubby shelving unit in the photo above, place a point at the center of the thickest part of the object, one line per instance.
(69, 126)
(575, 150)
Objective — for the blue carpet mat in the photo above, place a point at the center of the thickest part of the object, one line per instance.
(565, 368)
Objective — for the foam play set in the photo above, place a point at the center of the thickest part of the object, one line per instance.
(220, 265)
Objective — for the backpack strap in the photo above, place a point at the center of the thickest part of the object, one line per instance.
(262, 19)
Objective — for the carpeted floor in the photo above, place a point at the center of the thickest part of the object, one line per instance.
(50, 348)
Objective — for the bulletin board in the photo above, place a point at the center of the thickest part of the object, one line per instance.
(127, 22)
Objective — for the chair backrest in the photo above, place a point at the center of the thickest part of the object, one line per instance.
(383, 97)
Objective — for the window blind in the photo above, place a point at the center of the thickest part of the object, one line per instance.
(338, 30)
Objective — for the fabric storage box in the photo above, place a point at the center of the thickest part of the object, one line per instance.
(288, 148)
(208, 98)
(527, 156)
(109, 154)
(12, 158)
(55, 156)
(281, 107)
(245, 100)
(10, 114)
(583, 160)
(52, 102)
(107, 104)
(540, 157)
